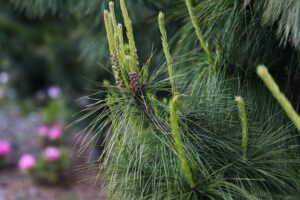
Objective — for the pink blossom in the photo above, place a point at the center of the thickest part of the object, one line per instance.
(27, 162)
(4, 148)
(52, 154)
(55, 132)
(43, 131)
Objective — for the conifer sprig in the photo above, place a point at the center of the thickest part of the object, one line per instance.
(200, 36)
(113, 16)
(164, 39)
(109, 32)
(112, 45)
(263, 73)
(181, 154)
(243, 117)
(129, 32)
(124, 64)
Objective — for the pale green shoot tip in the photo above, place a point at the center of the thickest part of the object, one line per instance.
(263, 73)
(262, 70)
(244, 123)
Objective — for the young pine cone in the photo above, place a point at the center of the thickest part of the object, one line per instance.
(134, 82)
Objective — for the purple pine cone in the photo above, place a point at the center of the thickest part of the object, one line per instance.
(134, 82)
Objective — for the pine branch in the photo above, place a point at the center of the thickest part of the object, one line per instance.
(181, 154)
(129, 32)
(244, 123)
(263, 73)
(200, 36)
(164, 39)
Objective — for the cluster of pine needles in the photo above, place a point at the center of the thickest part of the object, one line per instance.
(191, 132)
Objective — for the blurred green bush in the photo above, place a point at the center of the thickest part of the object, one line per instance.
(52, 42)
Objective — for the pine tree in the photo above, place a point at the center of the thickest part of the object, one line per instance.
(177, 132)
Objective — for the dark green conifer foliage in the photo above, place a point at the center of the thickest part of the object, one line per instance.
(248, 33)
(194, 142)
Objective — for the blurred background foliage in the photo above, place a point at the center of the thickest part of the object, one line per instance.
(54, 42)
(44, 43)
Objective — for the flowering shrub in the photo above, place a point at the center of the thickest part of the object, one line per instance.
(53, 162)
(55, 132)
(43, 131)
(51, 134)
(50, 166)
(52, 154)
(55, 106)
(27, 162)
(4, 151)
(4, 148)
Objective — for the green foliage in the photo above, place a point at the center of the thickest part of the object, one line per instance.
(286, 17)
(164, 39)
(181, 154)
(50, 173)
(54, 111)
(244, 124)
(263, 73)
(198, 31)
(60, 42)
(241, 30)
(192, 149)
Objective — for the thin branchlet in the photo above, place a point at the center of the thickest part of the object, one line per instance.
(115, 33)
(164, 39)
(263, 73)
(121, 41)
(129, 32)
(181, 154)
(123, 65)
(113, 16)
(244, 123)
(111, 44)
(199, 34)
(109, 32)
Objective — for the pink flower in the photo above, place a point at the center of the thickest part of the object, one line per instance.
(43, 131)
(55, 132)
(4, 148)
(27, 162)
(52, 154)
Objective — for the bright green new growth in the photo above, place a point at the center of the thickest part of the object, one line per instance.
(123, 61)
(112, 45)
(243, 117)
(114, 28)
(200, 36)
(181, 154)
(109, 32)
(263, 73)
(164, 39)
(129, 32)
(121, 41)
(113, 18)
(160, 148)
